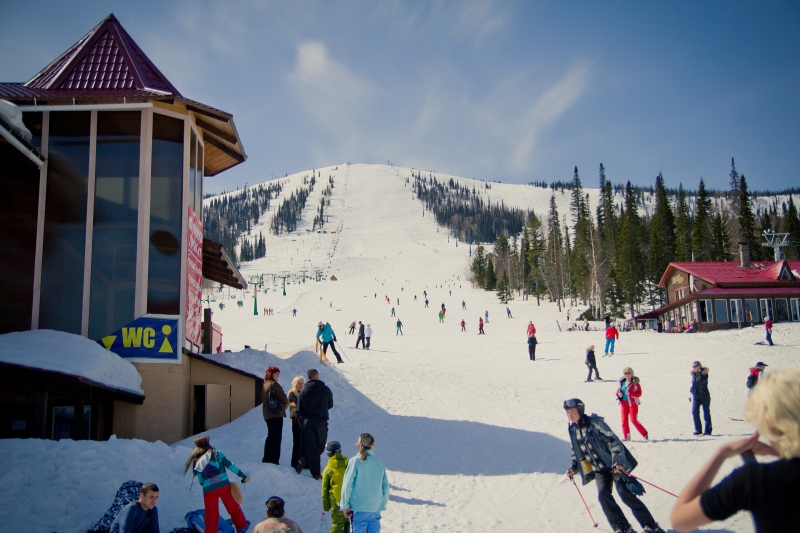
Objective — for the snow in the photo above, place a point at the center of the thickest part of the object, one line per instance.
(11, 115)
(472, 433)
(57, 351)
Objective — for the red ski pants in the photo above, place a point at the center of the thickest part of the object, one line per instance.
(211, 501)
(632, 411)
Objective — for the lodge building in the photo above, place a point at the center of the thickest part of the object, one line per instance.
(101, 236)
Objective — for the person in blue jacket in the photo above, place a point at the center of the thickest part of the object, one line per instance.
(140, 516)
(365, 488)
(327, 337)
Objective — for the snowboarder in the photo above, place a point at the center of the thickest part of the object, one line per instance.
(700, 397)
(599, 455)
(756, 373)
(273, 419)
(628, 394)
(352, 327)
(399, 328)
(332, 478)
(591, 362)
(328, 338)
(276, 519)
(139, 516)
(463, 325)
(365, 488)
(360, 335)
(532, 342)
(768, 328)
(209, 465)
(315, 400)
(480, 326)
(508, 312)
(611, 336)
(368, 335)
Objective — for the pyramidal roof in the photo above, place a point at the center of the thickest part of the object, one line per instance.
(105, 58)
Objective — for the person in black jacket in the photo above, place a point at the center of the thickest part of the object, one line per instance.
(532, 346)
(591, 362)
(360, 335)
(313, 404)
(700, 397)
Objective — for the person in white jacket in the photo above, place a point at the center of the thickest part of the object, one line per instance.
(365, 488)
(367, 335)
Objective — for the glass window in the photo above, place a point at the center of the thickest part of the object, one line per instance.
(736, 311)
(721, 310)
(19, 179)
(751, 310)
(62, 419)
(166, 217)
(192, 170)
(795, 307)
(115, 222)
(781, 310)
(766, 310)
(706, 314)
(65, 221)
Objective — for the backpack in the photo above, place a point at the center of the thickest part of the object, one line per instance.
(273, 403)
(751, 381)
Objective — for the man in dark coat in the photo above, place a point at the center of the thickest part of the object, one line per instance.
(700, 398)
(532, 346)
(599, 455)
(360, 335)
(312, 406)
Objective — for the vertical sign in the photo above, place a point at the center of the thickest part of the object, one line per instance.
(194, 279)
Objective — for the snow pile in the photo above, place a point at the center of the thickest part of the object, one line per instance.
(11, 115)
(57, 351)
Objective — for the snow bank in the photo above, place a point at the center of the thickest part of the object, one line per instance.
(69, 354)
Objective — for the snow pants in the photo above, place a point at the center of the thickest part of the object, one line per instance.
(610, 507)
(705, 402)
(532, 352)
(632, 411)
(298, 449)
(325, 350)
(361, 340)
(596, 373)
(272, 444)
(769, 338)
(366, 522)
(339, 524)
(211, 502)
(399, 330)
(610, 342)
(367, 345)
(315, 435)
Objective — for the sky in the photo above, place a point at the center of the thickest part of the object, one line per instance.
(501, 91)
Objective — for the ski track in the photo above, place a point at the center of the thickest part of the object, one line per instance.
(472, 432)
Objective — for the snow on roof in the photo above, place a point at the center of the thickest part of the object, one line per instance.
(12, 116)
(70, 354)
(731, 272)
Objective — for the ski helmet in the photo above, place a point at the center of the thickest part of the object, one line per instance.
(332, 447)
(576, 403)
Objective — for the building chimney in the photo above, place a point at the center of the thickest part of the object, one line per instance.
(744, 254)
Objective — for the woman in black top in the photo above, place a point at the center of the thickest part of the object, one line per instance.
(770, 491)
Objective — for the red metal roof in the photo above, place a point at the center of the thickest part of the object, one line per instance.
(18, 91)
(105, 58)
(718, 272)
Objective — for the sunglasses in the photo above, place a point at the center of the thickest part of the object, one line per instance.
(626, 373)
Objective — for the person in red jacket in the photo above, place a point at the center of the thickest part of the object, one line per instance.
(531, 329)
(768, 328)
(463, 325)
(480, 326)
(611, 336)
(628, 394)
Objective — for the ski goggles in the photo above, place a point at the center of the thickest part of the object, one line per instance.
(572, 403)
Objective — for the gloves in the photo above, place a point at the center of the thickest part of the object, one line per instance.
(334, 338)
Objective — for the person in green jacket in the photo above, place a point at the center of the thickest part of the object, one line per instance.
(332, 487)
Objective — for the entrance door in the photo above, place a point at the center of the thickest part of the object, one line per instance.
(218, 405)
(766, 310)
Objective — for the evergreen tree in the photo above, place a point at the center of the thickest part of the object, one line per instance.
(534, 254)
(747, 222)
(701, 228)
(662, 233)
(554, 254)
(630, 264)
(721, 244)
(503, 290)
(607, 222)
(791, 225)
(489, 278)
(479, 265)
(683, 228)
(733, 201)
(578, 263)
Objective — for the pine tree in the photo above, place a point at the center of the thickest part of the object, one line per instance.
(683, 228)
(747, 222)
(630, 266)
(733, 201)
(607, 222)
(578, 263)
(503, 290)
(662, 234)
(791, 225)
(721, 244)
(701, 227)
(554, 254)
(479, 266)
(534, 254)
(489, 278)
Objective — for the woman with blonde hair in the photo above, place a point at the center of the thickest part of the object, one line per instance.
(768, 490)
(298, 450)
(365, 488)
(209, 465)
(628, 394)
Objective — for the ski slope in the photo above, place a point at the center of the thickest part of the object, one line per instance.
(472, 433)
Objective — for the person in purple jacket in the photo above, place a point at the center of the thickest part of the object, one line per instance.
(140, 516)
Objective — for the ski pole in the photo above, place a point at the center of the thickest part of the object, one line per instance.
(340, 347)
(584, 501)
(643, 481)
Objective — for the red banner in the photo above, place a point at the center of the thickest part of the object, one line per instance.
(194, 279)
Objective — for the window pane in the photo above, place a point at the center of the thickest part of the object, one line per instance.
(116, 216)
(766, 310)
(781, 310)
(166, 210)
(795, 309)
(65, 221)
(736, 311)
(721, 310)
(705, 310)
(19, 180)
(751, 310)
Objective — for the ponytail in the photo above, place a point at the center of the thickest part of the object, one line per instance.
(365, 441)
(202, 446)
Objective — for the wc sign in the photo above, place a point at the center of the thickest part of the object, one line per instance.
(153, 338)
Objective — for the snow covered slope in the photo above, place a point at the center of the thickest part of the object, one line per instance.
(472, 432)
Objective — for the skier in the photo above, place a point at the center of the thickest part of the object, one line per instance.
(599, 455)
(139, 516)
(398, 301)
(591, 362)
(768, 328)
(508, 312)
(532, 346)
(487, 316)
(480, 326)
(365, 488)
(463, 305)
(399, 328)
(756, 373)
(352, 327)
(325, 332)
(315, 400)
(294, 312)
(209, 465)
(332, 478)
(628, 394)
(441, 316)
(368, 335)
(426, 303)
(531, 329)
(700, 397)
(463, 325)
(392, 311)
(611, 336)
(360, 335)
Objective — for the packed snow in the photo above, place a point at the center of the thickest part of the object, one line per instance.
(57, 351)
(472, 432)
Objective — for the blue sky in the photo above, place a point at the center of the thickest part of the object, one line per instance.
(503, 91)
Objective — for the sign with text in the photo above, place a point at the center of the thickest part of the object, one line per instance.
(194, 278)
(153, 338)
